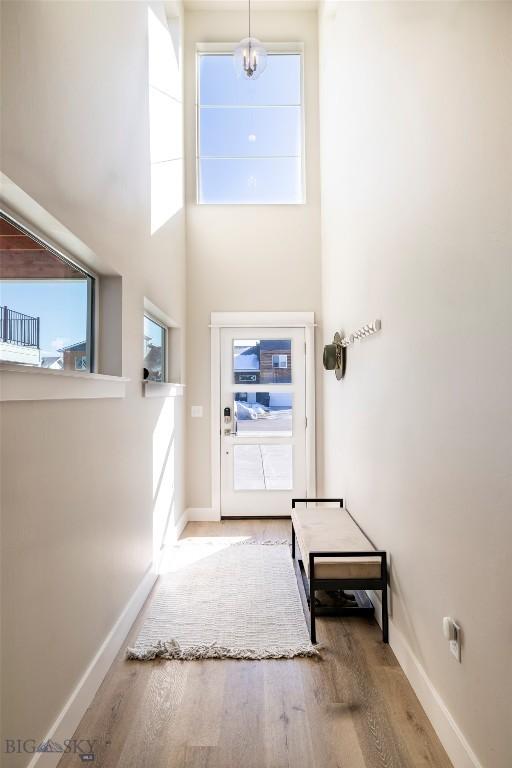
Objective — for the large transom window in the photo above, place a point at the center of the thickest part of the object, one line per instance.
(249, 147)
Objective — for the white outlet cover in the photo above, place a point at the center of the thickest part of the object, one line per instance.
(196, 411)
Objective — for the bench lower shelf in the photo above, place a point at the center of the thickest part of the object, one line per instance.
(364, 605)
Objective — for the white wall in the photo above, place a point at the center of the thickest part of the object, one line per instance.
(280, 243)
(81, 478)
(417, 230)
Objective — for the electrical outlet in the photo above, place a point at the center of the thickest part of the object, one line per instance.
(196, 411)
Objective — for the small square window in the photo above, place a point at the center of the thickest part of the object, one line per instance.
(279, 361)
(155, 350)
(250, 132)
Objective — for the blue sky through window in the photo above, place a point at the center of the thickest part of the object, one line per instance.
(250, 131)
(279, 84)
(61, 305)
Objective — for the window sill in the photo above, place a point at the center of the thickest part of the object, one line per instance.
(235, 204)
(19, 382)
(162, 389)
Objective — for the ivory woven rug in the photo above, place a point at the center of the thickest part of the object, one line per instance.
(226, 600)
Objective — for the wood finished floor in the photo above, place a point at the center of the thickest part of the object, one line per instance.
(354, 708)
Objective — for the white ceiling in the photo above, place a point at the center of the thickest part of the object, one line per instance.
(256, 5)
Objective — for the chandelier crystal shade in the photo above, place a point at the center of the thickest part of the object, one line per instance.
(250, 56)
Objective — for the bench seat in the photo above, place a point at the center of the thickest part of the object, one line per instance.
(321, 529)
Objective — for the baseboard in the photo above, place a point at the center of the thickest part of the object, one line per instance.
(256, 517)
(202, 514)
(82, 696)
(450, 735)
(181, 524)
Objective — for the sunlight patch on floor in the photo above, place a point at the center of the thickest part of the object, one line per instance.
(193, 549)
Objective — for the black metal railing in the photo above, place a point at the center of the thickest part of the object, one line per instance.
(17, 328)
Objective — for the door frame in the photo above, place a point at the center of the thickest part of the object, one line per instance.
(219, 320)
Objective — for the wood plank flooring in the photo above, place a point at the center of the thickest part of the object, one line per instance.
(353, 708)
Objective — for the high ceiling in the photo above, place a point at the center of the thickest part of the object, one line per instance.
(256, 5)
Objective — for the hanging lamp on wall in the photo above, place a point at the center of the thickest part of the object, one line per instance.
(250, 57)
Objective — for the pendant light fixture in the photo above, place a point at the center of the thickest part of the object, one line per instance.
(250, 57)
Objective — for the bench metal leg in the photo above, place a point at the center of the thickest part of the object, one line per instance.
(312, 615)
(385, 620)
(293, 542)
(312, 607)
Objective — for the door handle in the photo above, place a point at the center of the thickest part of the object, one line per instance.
(228, 423)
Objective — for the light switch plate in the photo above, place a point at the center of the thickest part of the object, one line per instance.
(455, 643)
(196, 411)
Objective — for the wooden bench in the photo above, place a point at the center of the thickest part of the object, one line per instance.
(331, 552)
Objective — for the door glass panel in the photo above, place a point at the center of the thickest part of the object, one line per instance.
(263, 414)
(262, 468)
(262, 361)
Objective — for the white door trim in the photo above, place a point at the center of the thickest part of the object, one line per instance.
(220, 320)
(262, 319)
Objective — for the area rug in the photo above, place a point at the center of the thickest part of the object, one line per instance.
(226, 600)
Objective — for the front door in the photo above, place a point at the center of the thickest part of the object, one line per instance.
(263, 420)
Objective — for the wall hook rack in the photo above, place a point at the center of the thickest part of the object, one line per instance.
(366, 330)
(335, 354)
